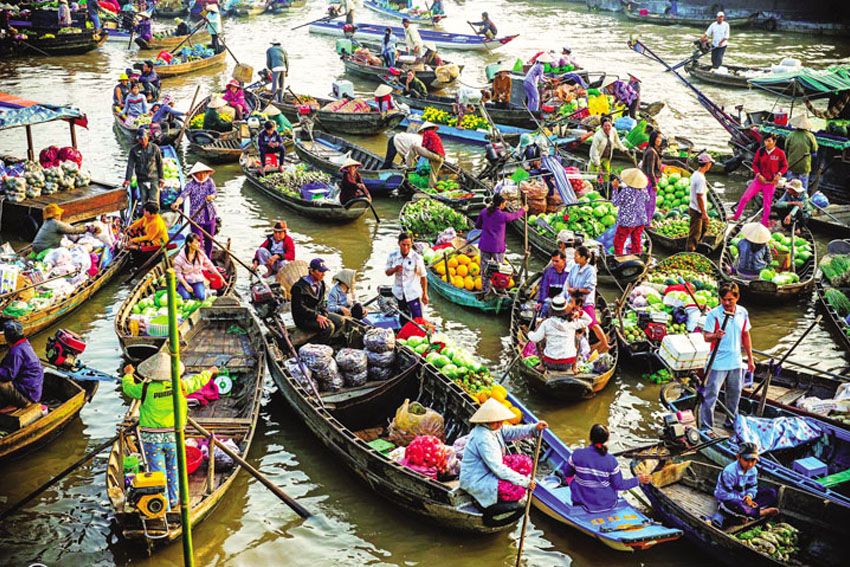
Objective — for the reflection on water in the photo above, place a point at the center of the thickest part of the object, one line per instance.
(69, 524)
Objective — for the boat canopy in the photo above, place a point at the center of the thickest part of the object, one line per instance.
(807, 83)
(16, 112)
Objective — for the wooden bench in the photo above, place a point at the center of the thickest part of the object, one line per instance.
(13, 419)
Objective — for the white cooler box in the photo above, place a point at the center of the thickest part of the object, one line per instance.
(684, 352)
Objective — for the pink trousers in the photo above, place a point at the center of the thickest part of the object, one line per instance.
(755, 187)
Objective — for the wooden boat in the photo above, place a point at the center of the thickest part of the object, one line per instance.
(709, 243)
(838, 227)
(167, 71)
(281, 6)
(350, 437)
(170, 41)
(168, 136)
(514, 115)
(564, 386)
(699, 22)
(246, 8)
(509, 134)
(325, 210)
(386, 8)
(222, 147)
(353, 123)
(832, 447)
(835, 323)
(171, 10)
(379, 73)
(60, 44)
(624, 528)
(442, 40)
(326, 153)
(211, 340)
(734, 76)
(474, 191)
(431, 236)
(27, 429)
(682, 496)
(754, 288)
(139, 347)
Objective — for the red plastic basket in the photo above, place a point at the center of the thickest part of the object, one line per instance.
(194, 458)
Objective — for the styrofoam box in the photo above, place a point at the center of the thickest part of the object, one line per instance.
(684, 352)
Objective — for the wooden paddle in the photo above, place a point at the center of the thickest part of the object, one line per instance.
(487, 45)
(529, 497)
(806, 366)
(179, 45)
(707, 373)
(186, 118)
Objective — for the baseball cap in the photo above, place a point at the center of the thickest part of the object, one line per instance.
(705, 157)
(318, 264)
(748, 451)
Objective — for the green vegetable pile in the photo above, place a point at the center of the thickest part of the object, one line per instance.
(290, 182)
(452, 360)
(836, 270)
(661, 377)
(156, 303)
(428, 218)
(779, 541)
(678, 227)
(838, 301)
(592, 217)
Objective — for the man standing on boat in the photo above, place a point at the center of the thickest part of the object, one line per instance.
(277, 61)
(145, 162)
(346, 7)
(800, 146)
(410, 286)
(412, 38)
(93, 9)
(698, 209)
(21, 373)
(213, 19)
(718, 31)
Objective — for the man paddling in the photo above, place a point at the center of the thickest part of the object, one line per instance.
(718, 31)
(486, 27)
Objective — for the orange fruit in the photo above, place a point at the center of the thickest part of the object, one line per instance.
(474, 269)
(482, 396)
(457, 281)
(440, 268)
(463, 259)
(444, 278)
(478, 285)
(453, 262)
(517, 419)
(452, 272)
(468, 283)
(462, 270)
(498, 393)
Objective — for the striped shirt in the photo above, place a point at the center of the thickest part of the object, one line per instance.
(597, 479)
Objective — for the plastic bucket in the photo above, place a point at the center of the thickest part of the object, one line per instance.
(194, 457)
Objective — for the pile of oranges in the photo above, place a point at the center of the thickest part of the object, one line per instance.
(462, 271)
(500, 394)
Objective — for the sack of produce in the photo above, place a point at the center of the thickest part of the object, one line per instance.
(509, 492)
(412, 420)
(305, 380)
(354, 379)
(553, 202)
(329, 379)
(379, 340)
(353, 361)
(536, 206)
(316, 357)
(378, 373)
(426, 451)
(381, 359)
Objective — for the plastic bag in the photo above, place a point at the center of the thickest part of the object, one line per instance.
(509, 492)
(48, 157)
(353, 380)
(69, 153)
(315, 357)
(352, 361)
(379, 340)
(328, 377)
(381, 359)
(413, 419)
(305, 380)
(377, 373)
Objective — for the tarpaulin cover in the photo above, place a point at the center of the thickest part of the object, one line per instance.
(812, 82)
(776, 433)
(16, 112)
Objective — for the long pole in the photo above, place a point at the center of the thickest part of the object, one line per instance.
(707, 373)
(530, 496)
(186, 118)
(806, 366)
(217, 243)
(179, 434)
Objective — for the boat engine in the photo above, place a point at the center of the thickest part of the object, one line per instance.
(263, 299)
(147, 494)
(64, 347)
(680, 429)
(499, 276)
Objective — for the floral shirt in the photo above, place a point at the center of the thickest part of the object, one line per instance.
(631, 205)
(197, 194)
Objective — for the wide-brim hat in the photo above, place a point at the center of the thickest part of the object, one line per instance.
(212, 8)
(383, 90)
(635, 178)
(217, 102)
(280, 226)
(608, 81)
(558, 305)
(428, 125)
(349, 162)
(233, 83)
(801, 121)
(271, 110)
(756, 233)
(52, 211)
(795, 185)
(545, 57)
(505, 68)
(200, 168)
(144, 15)
(491, 411)
(275, 42)
(158, 368)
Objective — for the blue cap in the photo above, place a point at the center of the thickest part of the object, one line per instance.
(141, 133)
(318, 264)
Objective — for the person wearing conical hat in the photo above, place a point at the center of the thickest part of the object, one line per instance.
(800, 146)
(201, 192)
(384, 98)
(482, 466)
(796, 202)
(502, 85)
(273, 113)
(531, 82)
(156, 413)
(630, 197)
(753, 253)
(50, 233)
(212, 119)
(64, 14)
(213, 19)
(352, 185)
(182, 27)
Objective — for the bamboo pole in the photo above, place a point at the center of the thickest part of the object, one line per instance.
(529, 497)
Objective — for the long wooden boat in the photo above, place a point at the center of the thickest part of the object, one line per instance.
(624, 528)
(173, 10)
(379, 73)
(281, 6)
(685, 500)
(246, 8)
(212, 341)
(832, 447)
(731, 76)
(167, 71)
(170, 41)
(139, 347)
(834, 321)
(564, 386)
(474, 191)
(221, 147)
(61, 44)
(442, 40)
(325, 210)
(385, 8)
(710, 242)
(327, 152)
(838, 227)
(510, 134)
(353, 123)
(699, 22)
(28, 429)
(754, 288)
(513, 115)
(349, 438)
(168, 136)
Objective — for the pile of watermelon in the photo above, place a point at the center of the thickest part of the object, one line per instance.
(591, 216)
(674, 196)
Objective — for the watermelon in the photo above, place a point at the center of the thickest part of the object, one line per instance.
(609, 220)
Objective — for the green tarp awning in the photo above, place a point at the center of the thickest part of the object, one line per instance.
(806, 82)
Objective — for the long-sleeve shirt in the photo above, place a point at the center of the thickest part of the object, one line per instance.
(482, 466)
(584, 277)
(751, 260)
(64, 15)
(276, 56)
(651, 165)
(236, 100)
(733, 484)
(337, 299)
(155, 230)
(409, 146)
(768, 164)
(560, 335)
(285, 247)
(492, 226)
(597, 479)
(150, 78)
(143, 29)
(214, 23)
(51, 233)
(534, 75)
(157, 410)
(308, 301)
(631, 206)
(412, 39)
(352, 187)
(502, 89)
(431, 141)
(197, 194)
(145, 162)
(135, 105)
(416, 89)
(486, 26)
(192, 272)
(799, 147)
(551, 280)
(788, 197)
(163, 112)
(212, 121)
(389, 45)
(22, 367)
(603, 145)
(264, 138)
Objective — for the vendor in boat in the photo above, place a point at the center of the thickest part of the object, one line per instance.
(502, 86)
(341, 298)
(201, 192)
(144, 33)
(64, 14)
(93, 12)
(737, 490)
(431, 57)
(413, 87)
(277, 61)
(136, 104)
(596, 474)
(631, 198)
(800, 146)
(308, 304)
(150, 80)
(50, 233)
(412, 39)
(384, 99)
(753, 253)
(389, 48)
(492, 221)
(277, 250)
(270, 142)
(605, 141)
(698, 206)
(352, 186)
(482, 466)
(728, 343)
(431, 142)
(149, 231)
(582, 278)
(531, 82)
(182, 28)
(120, 92)
(652, 167)
(164, 113)
(156, 413)
(769, 165)
(410, 278)
(273, 113)
(718, 31)
(191, 267)
(235, 98)
(796, 202)
(437, 8)
(21, 373)
(145, 161)
(213, 120)
(410, 147)
(552, 282)
(485, 27)
(559, 331)
(213, 19)
(567, 58)
(346, 7)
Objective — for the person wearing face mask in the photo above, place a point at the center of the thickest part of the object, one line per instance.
(769, 165)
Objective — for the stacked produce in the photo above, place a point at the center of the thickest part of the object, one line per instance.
(427, 451)
(319, 359)
(780, 244)
(837, 270)
(70, 30)
(31, 180)
(153, 310)
(507, 491)
(290, 182)
(353, 363)
(446, 186)
(592, 216)
(428, 218)
(672, 204)
(380, 353)
(460, 270)
(139, 121)
(838, 301)
(468, 122)
(778, 540)
(678, 227)
(187, 54)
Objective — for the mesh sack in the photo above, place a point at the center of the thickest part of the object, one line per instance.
(381, 359)
(413, 419)
(352, 361)
(380, 374)
(379, 340)
(305, 380)
(352, 380)
(315, 357)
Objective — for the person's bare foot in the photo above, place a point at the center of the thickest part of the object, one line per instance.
(768, 512)
(269, 273)
(731, 218)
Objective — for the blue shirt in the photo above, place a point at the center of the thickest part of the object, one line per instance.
(550, 278)
(534, 75)
(584, 278)
(337, 299)
(733, 483)
(22, 367)
(729, 353)
(597, 479)
(482, 467)
(264, 138)
(163, 112)
(752, 261)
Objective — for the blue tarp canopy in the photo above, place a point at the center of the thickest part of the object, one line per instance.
(16, 112)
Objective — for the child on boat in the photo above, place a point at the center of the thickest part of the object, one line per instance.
(737, 491)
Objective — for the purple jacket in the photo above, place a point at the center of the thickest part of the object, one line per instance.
(492, 228)
(550, 278)
(597, 479)
(22, 367)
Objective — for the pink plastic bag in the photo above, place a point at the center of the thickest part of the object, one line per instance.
(49, 157)
(510, 492)
(70, 154)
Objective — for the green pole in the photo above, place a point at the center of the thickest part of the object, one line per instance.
(180, 419)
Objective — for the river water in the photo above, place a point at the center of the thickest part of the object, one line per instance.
(70, 523)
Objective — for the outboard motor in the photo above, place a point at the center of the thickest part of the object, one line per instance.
(63, 348)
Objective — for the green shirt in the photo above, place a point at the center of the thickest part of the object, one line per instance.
(157, 411)
(212, 121)
(799, 145)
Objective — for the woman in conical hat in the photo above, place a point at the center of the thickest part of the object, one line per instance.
(201, 192)
(753, 253)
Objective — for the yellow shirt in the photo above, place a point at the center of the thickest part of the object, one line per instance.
(155, 230)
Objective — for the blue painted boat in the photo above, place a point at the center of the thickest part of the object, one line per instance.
(478, 137)
(385, 8)
(624, 528)
(443, 40)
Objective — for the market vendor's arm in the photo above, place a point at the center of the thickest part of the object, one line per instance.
(10, 366)
(129, 384)
(131, 168)
(617, 142)
(65, 228)
(725, 490)
(539, 333)
(423, 278)
(491, 455)
(197, 381)
(158, 161)
(747, 343)
(181, 265)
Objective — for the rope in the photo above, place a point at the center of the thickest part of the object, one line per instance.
(834, 110)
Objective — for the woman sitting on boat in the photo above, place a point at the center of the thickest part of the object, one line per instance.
(182, 28)
(212, 120)
(384, 99)
(737, 491)
(190, 267)
(559, 331)
(164, 114)
(235, 98)
(21, 373)
(149, 231)
(144, 33)
(753, 253)
(389, 48)
(341, 298)
(796, 202)
(582, 278)
(156, 413)
(135, 104)
(413, 87)
(201, 192)
(596, 474)
(120, 92)
(482, 466)
(352, 187)
(431, 57)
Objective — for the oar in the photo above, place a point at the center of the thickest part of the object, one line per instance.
(368, 202)
(635, 453)
(327, 18)
(707, 373)
(688, 289)
(487, 45)
(766, 382)
(216, 242)
(824, 211)
(510, 366)
(186, 118)
(288, 500)
(19, 290)
(34, 48)
(529, 497)
(806, 366)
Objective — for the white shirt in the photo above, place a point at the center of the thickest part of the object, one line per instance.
(560, 335)
(699, 186)
(404, 142)
(346, 5)
(598, 144)
(718, 32)
(407, 284)
(412, 39)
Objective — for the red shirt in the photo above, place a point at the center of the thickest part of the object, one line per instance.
(769, 164)
(431, 141)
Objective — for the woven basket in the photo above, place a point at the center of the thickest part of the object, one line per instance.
(289, 274)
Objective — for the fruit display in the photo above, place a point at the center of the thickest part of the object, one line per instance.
(290, 182)
(836, 270)
(460, 270)
(592, 216)
(155, 305)
(428, 218)
(426, 451)
(778, 540)
(678, 227)
(446, 186)
(468, 122)
(672, 203)
(780, 244)
(70, 30)
(31, 180)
